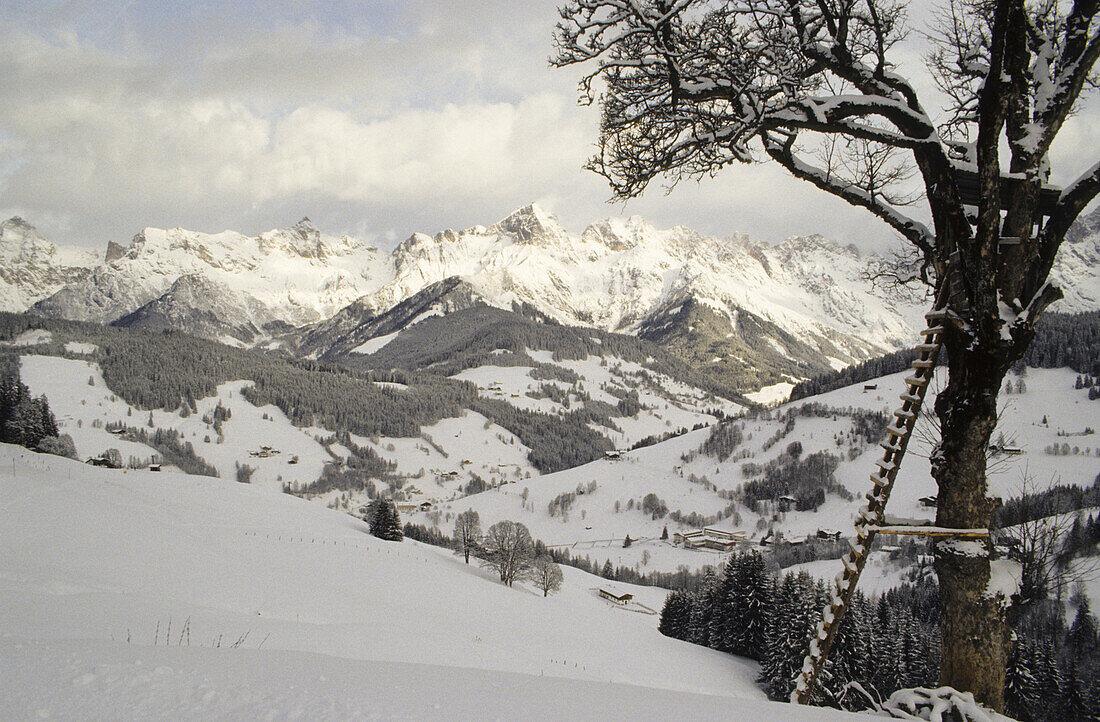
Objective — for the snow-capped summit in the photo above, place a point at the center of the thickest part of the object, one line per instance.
(32, 268)
(531, 224)
(297, 274)
(731, 304)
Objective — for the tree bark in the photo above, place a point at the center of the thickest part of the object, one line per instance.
(975, 632)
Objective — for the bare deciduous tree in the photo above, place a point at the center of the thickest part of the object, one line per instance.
(509, 550)
(688, 87)
(1043, 545)
(467, 533)
(546, 575)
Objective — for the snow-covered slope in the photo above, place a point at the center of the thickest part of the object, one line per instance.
(32, 268)
(597, 521)
(138, 595)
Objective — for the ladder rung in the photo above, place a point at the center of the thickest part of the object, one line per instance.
(927, 347)
(932, 330)
(910, 398)
(879, 480)
(890, 447)
(907, 415)
(928, 530)
(923, 363)
(919, 381)
(937, 314)
(886, 466)
(850, 565)
(895, 431)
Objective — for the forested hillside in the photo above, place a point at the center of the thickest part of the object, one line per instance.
(1071, 340)
(169, 370)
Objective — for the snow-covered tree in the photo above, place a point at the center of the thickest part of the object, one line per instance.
(688, 87)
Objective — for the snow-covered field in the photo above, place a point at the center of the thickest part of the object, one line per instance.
(448, 454)
(135, 595)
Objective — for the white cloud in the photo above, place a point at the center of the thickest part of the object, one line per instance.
(407, 116)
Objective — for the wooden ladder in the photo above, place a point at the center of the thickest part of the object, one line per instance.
(871, 518)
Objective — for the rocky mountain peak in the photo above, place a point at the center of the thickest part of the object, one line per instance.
(618, 234)
(531, 224)
(114, 251)
(20, 240)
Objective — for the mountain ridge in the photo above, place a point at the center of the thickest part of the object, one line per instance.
(754, 304)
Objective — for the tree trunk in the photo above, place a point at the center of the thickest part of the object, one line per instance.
(974, 629)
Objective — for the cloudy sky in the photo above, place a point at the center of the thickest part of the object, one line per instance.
(373, 118)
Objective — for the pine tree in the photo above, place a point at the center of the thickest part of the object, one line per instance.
(750, 599)
(675, 614)
(1021, 685)
(385, 523)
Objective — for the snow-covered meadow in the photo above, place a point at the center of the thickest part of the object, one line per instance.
(132, 594)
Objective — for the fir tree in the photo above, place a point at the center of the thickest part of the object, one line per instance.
(385, 523)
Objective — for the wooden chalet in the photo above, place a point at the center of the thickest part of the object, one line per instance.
(616, 595)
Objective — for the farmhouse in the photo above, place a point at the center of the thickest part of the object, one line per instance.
(616, 595)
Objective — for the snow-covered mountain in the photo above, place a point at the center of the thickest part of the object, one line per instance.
(32, 268)
(296, 275)
(751, 312)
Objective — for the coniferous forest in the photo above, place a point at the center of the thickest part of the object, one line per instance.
(885, 643)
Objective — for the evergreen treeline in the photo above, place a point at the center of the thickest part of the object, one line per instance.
(724, 439)
(556, 442)
(890, 363)
(790, 474)
(884, 644)
(24, 420)
(358, 472)
(1061, 339)
(1058, 499)
(476, 336)
(1054, 668)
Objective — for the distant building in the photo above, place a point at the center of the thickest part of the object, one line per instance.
(1006, 450)
(828, 534)
(614, 454)
(786, 503)
(615, 595)
(928, 501)
(709, 538)
(870, 387)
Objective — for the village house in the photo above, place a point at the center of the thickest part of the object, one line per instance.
(616, 595)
